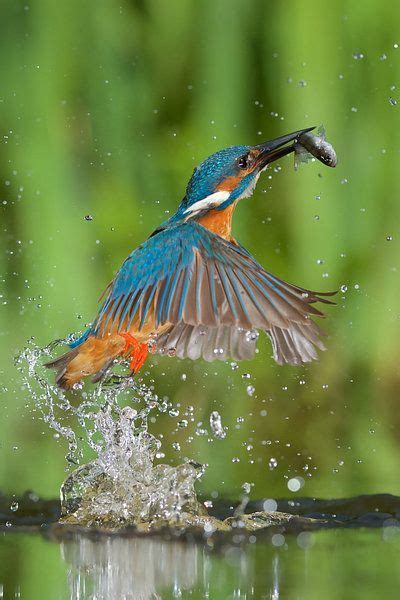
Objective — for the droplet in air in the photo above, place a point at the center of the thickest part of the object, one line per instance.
(216, 425)
(252, 335)
(295, 484)
(246, 487)
(272, 463)
(250, 390)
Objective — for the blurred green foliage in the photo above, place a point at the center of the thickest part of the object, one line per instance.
(105, 109)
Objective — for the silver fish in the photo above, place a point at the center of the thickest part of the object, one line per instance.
(310, 145)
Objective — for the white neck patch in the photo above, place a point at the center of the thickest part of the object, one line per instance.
(211, 201)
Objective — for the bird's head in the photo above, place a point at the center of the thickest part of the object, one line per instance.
(231, 174)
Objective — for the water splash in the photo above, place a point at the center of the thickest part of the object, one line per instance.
(121, 485)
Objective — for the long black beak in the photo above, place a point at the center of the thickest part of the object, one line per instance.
(274, 149)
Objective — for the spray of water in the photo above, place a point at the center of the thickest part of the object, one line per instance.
(121, 485)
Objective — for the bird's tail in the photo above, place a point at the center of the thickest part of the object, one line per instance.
(91, 357)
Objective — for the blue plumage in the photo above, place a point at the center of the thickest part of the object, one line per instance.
(162, 271)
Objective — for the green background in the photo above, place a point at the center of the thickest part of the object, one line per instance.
(105, 109)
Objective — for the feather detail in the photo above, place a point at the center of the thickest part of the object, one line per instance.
(187, 279)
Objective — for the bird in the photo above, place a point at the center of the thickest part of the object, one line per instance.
(191, 290)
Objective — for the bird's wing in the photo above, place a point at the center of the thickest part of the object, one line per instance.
(188, 275)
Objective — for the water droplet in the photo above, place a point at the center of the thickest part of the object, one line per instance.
(272, 463)
(389, 238)
(270, 505)
(252, 335)
(250, 390)
(14, 506)
(216, 425)
(295, 484)
(392, 101)
(343, 288)
(278, 539)
(358, 55)
(246, 487)
(182, 423)
(88, 218)
(218, 351)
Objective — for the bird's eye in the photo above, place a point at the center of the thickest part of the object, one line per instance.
(244, 161)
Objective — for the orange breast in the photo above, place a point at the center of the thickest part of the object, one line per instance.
(219, 221)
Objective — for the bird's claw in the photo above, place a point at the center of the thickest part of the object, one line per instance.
(135, 350)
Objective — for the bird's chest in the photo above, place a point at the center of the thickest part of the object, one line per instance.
(219, 221)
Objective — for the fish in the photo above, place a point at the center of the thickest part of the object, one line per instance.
(310, 145)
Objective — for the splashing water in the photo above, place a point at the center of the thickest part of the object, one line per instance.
(121, 485)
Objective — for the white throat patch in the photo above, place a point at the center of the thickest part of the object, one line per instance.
(250, 188)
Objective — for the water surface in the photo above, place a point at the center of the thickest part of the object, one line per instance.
(328, 564)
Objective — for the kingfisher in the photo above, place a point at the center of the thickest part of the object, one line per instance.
(192, 291)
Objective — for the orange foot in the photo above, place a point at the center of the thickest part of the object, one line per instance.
(136, 351)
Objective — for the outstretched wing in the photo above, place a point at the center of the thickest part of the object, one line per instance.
(199, 287)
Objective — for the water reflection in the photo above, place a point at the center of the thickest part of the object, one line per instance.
(129, 568)
(329, 564)
(138, 568)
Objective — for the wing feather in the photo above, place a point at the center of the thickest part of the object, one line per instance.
(210, 292)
